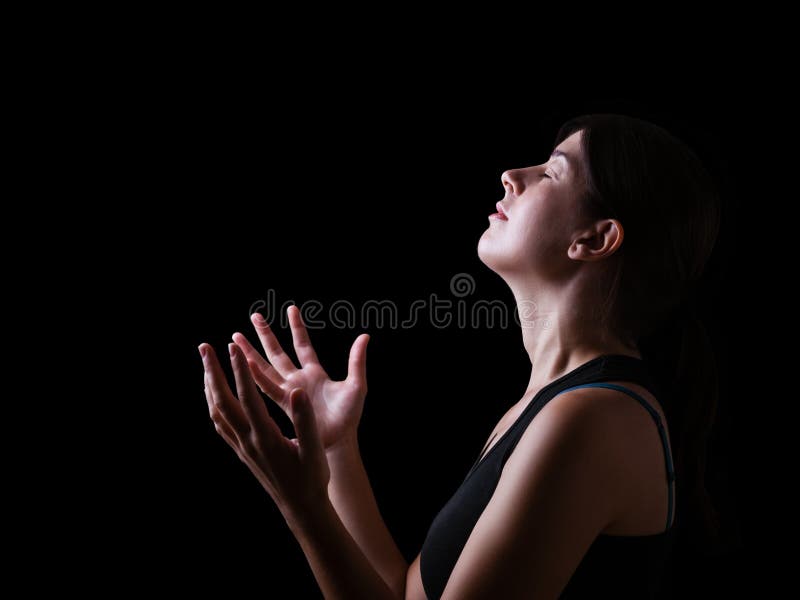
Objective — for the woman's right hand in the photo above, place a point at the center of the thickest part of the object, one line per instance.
(337, 405)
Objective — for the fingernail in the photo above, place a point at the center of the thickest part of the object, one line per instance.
(232, 349)
(258, 317)
(202, 349)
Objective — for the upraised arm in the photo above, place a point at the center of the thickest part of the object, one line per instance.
(336, 407)
(295, 474)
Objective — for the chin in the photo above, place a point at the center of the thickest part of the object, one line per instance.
(501, 257)
(487, 252)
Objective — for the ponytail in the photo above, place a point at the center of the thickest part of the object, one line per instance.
(692, 414)
(682, 357)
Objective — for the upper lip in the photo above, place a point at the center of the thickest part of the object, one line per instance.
(501, 210)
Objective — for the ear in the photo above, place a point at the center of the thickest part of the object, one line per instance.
(599, 241)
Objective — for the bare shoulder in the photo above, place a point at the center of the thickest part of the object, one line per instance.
(595, 422)
(623, 423)
(607, 410)
(614, 423)
(620, 431)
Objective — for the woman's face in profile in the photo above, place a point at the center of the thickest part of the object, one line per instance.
(542, 207)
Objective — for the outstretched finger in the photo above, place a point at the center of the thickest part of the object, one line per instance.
(266, 385)
(222, 396)
(253, 356)
(253, 406)
(220, 424)
(275, 354)
(302, 343)
(357, 365)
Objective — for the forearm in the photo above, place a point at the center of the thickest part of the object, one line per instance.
(340, 567)
(352, 497)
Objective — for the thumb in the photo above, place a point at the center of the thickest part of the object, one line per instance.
(357, 366)
(305, 424)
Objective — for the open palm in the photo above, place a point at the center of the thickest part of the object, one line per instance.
(337, 405)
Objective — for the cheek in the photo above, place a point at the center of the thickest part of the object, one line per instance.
(540, 237)
(535, 228)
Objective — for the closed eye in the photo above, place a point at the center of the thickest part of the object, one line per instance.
(546, 175)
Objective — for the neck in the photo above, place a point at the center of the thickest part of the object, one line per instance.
(560, 332)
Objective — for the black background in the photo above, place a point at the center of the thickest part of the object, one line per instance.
(359, 190)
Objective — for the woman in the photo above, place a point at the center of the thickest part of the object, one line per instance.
(575, 493)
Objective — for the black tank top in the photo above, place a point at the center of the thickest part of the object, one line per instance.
(614, 566)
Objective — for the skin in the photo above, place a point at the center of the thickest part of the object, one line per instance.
(591, 462)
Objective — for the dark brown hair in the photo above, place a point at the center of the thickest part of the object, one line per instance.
(670, 210)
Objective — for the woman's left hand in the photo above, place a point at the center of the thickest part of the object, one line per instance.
(294, 471)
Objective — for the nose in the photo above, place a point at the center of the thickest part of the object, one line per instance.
(511, 179)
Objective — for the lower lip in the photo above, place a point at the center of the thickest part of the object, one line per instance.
(498, 216)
